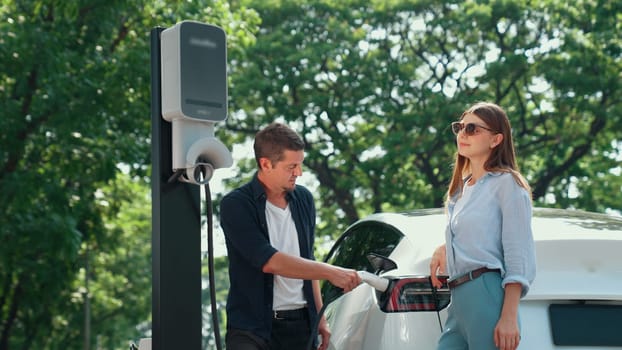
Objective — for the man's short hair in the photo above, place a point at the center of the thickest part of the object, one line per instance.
(272, 141)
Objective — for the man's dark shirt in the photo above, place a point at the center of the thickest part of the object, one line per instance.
(243, 220)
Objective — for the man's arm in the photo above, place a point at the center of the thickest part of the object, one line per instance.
(290, 266)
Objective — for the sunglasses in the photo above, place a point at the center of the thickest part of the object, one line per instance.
(469, 129)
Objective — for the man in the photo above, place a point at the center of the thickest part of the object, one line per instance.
(269, 226)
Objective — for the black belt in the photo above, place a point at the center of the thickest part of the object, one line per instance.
(297, 314)
(470, 276)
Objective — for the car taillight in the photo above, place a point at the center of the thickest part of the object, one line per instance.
(415, 294)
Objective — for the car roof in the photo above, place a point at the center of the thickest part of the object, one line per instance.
(579, 253)
(547, 223)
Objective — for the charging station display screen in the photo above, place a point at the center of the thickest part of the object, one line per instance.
(203, 67)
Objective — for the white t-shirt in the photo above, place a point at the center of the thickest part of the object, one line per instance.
(287, 292)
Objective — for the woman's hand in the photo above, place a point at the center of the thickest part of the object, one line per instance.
(438, 265)
(507, 333)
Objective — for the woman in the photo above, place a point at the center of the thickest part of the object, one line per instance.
(489, 250)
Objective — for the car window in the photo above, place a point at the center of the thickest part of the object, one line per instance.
(353, 246)
(586, 324)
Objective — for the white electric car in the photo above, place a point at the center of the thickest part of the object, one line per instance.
(575, 302)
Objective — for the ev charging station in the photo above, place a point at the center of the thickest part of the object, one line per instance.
(188, 96)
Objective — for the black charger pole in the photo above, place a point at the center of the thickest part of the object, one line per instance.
(176, 235)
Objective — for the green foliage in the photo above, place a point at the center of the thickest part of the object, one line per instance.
(75, 96)
(373, 86)
(114, 280)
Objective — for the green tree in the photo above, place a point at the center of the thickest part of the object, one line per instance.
(373, 86)
(111, 293)
(74, 95)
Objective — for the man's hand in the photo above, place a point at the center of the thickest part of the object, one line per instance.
(438, 265)
(324, 333)
(346, 279)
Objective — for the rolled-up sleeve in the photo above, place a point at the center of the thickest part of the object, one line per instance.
(516, 235)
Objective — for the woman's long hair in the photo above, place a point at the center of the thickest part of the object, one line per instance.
(501, 159)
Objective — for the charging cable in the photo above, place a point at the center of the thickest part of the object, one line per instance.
(210, 260)
(436, 303)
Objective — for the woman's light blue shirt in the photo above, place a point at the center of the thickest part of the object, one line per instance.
(490, 226)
